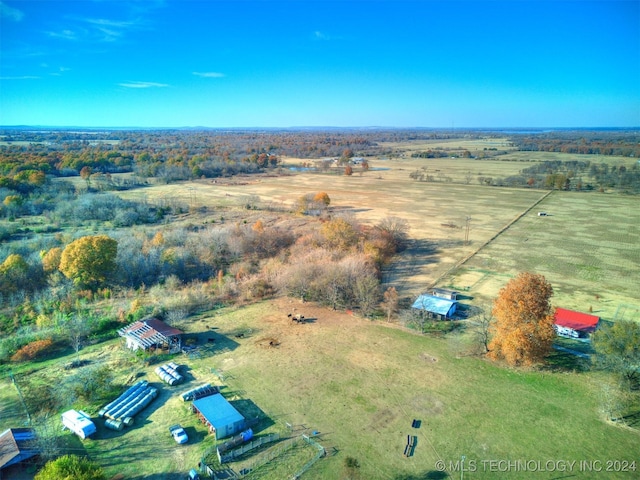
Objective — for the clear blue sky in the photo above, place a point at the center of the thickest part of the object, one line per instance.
(172, 63)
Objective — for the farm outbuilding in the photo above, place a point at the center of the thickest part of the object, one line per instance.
(444, 293)
(438, 307)
(16, 446)
(152, 333)
(572, 324)
(219, 415)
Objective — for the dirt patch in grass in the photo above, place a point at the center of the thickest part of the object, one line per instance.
(268, 342)
(426, 405)
(382, 418)
(427, 358)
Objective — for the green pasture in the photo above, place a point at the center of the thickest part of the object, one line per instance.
(12, 411)
(588, 247)
(361, 384)
(454, 144)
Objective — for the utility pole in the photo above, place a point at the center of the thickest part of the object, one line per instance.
(466, 231)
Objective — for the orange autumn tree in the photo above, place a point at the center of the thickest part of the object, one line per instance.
(322, 198)
(523, 330)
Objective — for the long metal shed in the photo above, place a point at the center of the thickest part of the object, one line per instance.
(219, 415)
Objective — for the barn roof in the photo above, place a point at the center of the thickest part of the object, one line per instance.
(149, 332)
(576, 320)
(217, 411)
(163, 328)
(16, 445)
(433, 304)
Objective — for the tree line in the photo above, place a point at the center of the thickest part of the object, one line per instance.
(625, 143)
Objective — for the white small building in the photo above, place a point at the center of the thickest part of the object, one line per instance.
(79, 423)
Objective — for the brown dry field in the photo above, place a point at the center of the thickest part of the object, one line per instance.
(437, 212)
(472, 145)
(436, 223)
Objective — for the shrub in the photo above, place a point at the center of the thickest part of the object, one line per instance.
(71, 466)
(32, 350)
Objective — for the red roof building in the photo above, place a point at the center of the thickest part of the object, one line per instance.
(569, 323)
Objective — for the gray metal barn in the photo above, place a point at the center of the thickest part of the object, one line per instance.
(443, 308)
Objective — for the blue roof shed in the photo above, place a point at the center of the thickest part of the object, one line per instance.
(435, 305)
(219, 415)
(17, 445)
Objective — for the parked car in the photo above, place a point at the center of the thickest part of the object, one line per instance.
(193, 475)
(178, 434)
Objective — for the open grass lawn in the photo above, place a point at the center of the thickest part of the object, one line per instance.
(12, 412)
(361, 384)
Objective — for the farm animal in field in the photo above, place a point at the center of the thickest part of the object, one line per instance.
(296, 317)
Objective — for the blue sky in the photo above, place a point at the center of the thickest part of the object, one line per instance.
(174, 63)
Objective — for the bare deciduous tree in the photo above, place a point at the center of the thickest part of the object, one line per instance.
(390, 303)
(480, 329)
(47, 440)
(77, 330)
(398, 228)
(366, 294)
(175, 316)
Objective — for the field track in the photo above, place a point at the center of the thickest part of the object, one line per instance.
(502, 230)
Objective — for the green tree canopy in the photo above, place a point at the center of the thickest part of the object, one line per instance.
(14, 273)
(71, 467)
(90, 260)
(618, 349)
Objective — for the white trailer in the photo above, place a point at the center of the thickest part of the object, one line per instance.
(79, 423)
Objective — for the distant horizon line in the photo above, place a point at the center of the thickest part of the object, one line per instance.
(302, 127)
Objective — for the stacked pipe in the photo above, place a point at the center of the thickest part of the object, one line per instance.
(130, 392)
(199, 392)
(169, 373)
(114, 424)
(138, 406)
(121, 411)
